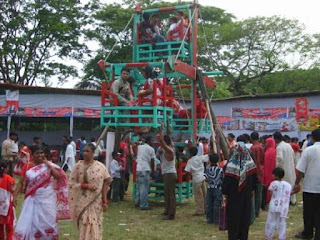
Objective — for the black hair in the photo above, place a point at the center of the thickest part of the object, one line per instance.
(130, 80)
(36, 138)
(173, 19)
(83, 138)
(22, 143)
(150, 73)
(231, 135)
(13, 134)
(3, 166)
(90, 145)
(180, 13)
(125, 69)
(241, 138)
(145, 17)
(247, 137)
(193, 151)
(114, 153)
(167, 139)
(316, 135)
(148, 139)
(278, 172)
(35, 148)
(68, 140)
(155, 15)
(254, 136)
(93, 139)
(309, 135)
(278, 136)
(286, 138)
(214, 158)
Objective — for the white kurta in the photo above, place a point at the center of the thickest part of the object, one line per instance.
(285, 160)
(278, 209)
(69, 157)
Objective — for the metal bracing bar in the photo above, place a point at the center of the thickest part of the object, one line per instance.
(168, 9)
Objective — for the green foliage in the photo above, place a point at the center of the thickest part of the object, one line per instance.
(35, 35)
(254, 53)
(287, 81)
(253, 48)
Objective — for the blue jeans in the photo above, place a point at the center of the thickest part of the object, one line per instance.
(142, 190)
(214, 199)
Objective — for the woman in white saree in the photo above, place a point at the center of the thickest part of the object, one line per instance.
(45, 200)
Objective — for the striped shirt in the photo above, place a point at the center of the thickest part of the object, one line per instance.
(215, 175)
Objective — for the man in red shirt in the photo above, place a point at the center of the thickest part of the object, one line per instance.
(257, 154)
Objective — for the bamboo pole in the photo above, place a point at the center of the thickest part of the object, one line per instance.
(212, 118)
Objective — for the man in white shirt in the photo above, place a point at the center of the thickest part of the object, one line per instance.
(195, 166)
(145, 164)
(73, 144)
(285, 160)
(69, 157)
(98, 150)
(7, 152)
(308, 167)
(115, 169)
(200, 147)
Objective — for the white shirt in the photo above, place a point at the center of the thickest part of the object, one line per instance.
(15, 147)
(74, 147)
(97, 151)
(195, 166)
(115, 169)
(200, 149)
(166, 165)
(309, 164)
(144, 156)
(69, 155)
(285, 160)
(281, 191)
(248, 145)
(175, 36)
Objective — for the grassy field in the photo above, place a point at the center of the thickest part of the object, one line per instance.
(124, 221)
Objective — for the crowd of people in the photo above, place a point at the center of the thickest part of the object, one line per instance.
(262, 173)
(151, 29)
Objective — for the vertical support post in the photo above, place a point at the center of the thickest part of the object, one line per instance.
(195, 37)
(71, 123)
(135, 36)
(8, 125)
(194, 111)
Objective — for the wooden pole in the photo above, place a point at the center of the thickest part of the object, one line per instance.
(104, 132)
(212, 117)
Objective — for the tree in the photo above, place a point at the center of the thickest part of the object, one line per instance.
(35, 37)
(287, 81)
(250, 49)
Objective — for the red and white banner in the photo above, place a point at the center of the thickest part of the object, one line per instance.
(302, 109)
(12, 101)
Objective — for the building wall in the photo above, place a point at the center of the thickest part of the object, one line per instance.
(221, 108)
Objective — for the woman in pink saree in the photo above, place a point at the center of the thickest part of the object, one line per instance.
(270, 158)
(46, 200)
(88, 187)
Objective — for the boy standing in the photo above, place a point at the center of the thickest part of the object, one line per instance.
(115, 169)
(214, 175)
(195, 166)
(279, 205)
